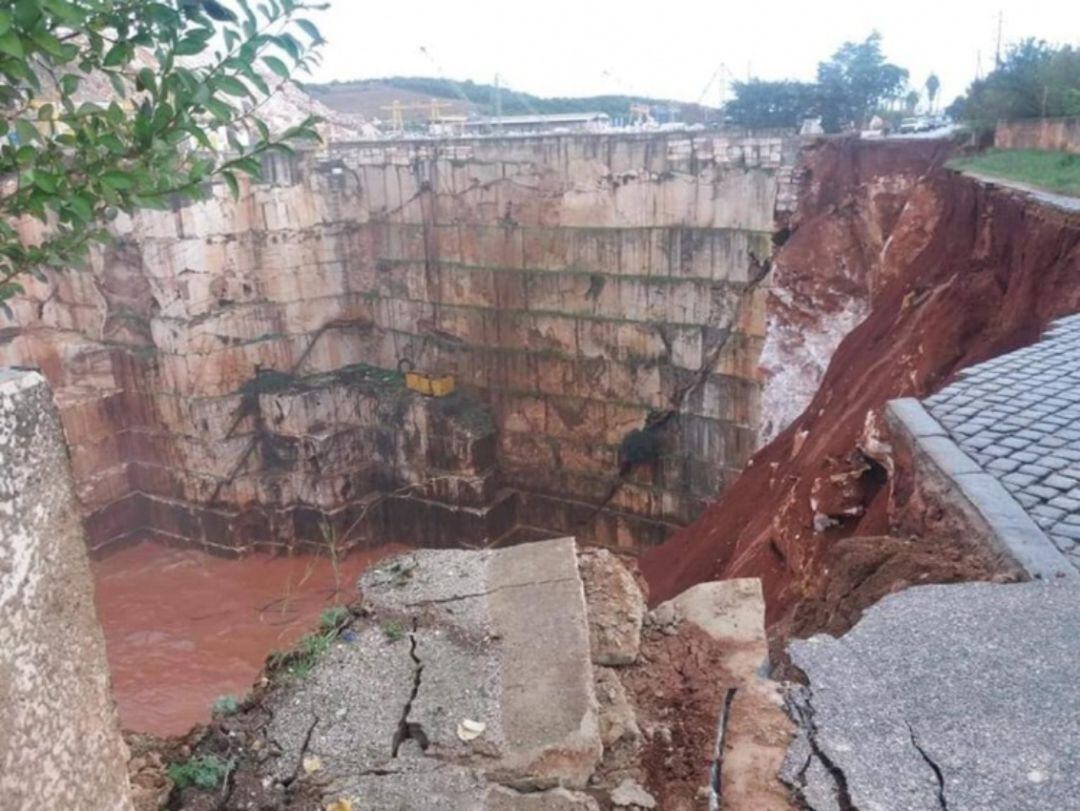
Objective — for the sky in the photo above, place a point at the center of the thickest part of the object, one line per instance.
(679, 49)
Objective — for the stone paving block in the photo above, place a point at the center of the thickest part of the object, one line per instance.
(1006, 465)
(1064, 503)
(1031, 398)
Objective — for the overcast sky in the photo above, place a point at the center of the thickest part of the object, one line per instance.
(668, 49)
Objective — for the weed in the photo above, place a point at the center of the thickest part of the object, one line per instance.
(333, 618)
(224, 706)
(301, 660)
(393, 631)
(202, 771)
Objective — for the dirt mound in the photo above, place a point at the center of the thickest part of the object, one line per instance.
(966, 273)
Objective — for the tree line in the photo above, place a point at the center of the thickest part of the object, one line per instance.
(1033, 80)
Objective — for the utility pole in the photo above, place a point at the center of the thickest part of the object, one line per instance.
(997, 50)
(498, 98)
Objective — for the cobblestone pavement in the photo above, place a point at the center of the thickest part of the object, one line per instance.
(1018, 416)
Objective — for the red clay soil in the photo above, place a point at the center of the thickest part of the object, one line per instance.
(678, 690)
(967, 273)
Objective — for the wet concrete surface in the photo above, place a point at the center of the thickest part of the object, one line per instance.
(183, 627)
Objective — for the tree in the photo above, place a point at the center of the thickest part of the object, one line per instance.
(855, 81)
(109, 105)
(1033, 80)
(911, 101)
(933, 85)
(771, 104)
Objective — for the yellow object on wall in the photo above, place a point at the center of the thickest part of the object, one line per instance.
(429, 385)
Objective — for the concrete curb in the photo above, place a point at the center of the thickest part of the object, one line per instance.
(978, 494)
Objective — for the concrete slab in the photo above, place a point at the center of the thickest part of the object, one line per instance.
(495, 639)
(958, 696)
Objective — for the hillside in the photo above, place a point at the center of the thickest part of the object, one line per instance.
(370, 97)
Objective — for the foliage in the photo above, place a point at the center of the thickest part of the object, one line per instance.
(298, 662)
(1034, 80)
(761, 104)
(1054, 171)
(224, 706)
(201, 771)
(854, 82)
(933, 86)
(110, 105)
(849, 88)
(333, 618)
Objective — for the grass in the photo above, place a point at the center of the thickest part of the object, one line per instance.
(1054, 171)
(224, 706)
(301, 660)
(202, 771)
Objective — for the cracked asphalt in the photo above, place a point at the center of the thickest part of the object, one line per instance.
(956, 697)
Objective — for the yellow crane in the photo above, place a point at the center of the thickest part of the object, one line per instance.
(397, 111)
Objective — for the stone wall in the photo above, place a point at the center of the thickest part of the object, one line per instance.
(228, 370)
(1050, 134)
(61, 745)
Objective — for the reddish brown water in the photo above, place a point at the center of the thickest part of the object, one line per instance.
(183, 627)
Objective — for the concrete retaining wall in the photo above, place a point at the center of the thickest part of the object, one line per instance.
(1050, 134)
(61, 745)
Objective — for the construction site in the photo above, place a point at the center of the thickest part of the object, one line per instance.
(546, 462)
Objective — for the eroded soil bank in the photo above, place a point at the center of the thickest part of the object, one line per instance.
(183, 627)
(956, 273)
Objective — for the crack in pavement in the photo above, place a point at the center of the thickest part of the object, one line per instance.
(933, 767)
(408, 730)
(806, 721)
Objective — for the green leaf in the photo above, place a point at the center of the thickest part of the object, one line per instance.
(11, 45)
(232, 86)
(218, 12)
(220, 110)
(80, 206)
(116, 56)
(234, 186)
(277, 66)
(311, 30)
(48, 43)
(118, 180)
(190, 45)
(45, 182)
(5, 22)
(146, 81)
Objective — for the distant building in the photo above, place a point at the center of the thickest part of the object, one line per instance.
(573, 122)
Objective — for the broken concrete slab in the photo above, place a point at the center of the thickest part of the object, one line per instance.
(752, 730)
(616, 608)
(957, 696)
(470, 670)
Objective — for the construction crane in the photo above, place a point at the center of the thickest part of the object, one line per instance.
(722, 73)
(397, 112)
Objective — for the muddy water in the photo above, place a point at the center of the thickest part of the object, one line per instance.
(183, 627)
